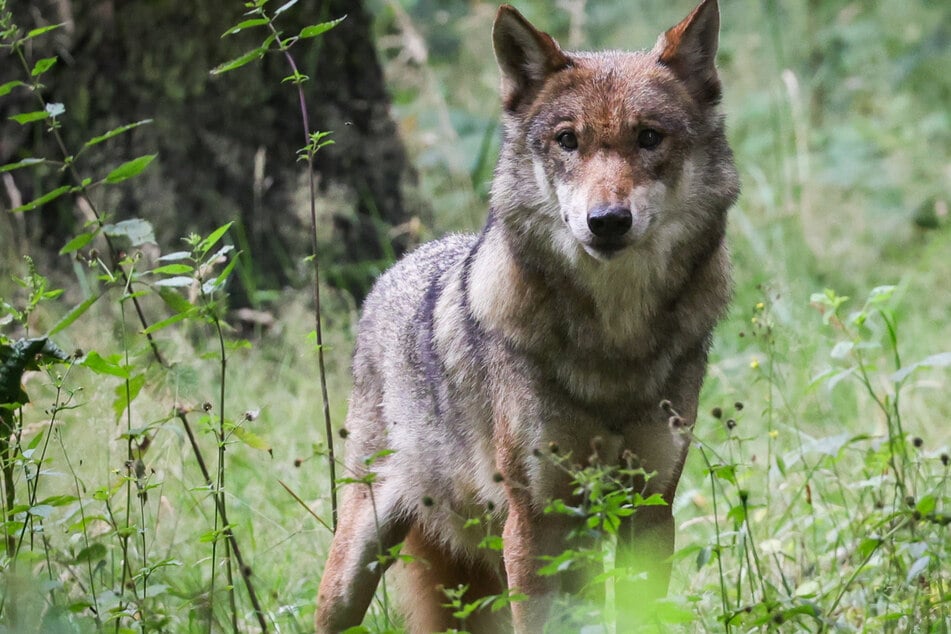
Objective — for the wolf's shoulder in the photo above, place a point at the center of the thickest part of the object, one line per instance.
(405, 284)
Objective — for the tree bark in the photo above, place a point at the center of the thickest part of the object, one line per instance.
(227, 145)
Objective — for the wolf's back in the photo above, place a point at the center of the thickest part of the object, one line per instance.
(392, 364)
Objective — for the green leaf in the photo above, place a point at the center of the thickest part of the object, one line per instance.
(123, 400)
(284, 7)
(917, 568)
(42, 200)
(78, 242)
(41, 510)
(41, 31)
(115, 132)
(881, 294)
(175, 301)
(27, 162)
(165, 323)
(737, 514)
(42, 66)
(73, 314)
(238, 62)
(59, 500)
(940, 360)
(100, 365)
(205, 245)
(318, 29)
(10, 85)
(219, 281)
(247, 24)
(174, 257)
(93, 552)
(179, 281)
(704, 555)
(29, 117)
(251, 439)
(135, 231)
(491, 542)
(130, 168)
(724, 472)
(868, 546)
(655, 499)
(926, 505)
(173, 269)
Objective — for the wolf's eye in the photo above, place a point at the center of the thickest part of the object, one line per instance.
(649, 138)
(567, 140)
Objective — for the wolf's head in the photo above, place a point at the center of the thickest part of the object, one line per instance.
(608, 154)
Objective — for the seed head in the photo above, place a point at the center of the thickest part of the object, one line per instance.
(738, 406)
(343, 432)
(731, 424)
(717, 413)
(427, 501)
(206, 406)
(917, 442)
(945, 459)
(497, 477)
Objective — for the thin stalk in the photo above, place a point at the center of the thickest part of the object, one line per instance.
(82, 516)
(284, 47)
(716, 527)
(129, 461)
(220, 490)
(243, 569)
(751, 548)
(33, 484)
(9, 486)
(855, 573)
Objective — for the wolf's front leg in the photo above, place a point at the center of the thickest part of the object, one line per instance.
(370, 525)
(527, 536)
(645, 544)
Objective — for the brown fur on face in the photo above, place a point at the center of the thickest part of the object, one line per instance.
(476, 353)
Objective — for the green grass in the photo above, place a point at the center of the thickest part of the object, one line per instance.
(793, 517)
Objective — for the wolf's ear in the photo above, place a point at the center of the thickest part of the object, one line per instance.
(690, 48)
(525, 55)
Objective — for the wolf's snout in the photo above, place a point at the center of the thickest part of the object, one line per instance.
(609, 221)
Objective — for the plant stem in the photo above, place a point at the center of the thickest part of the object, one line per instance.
(220, 490)
(244, 570)
(716, 527)
(318, 331)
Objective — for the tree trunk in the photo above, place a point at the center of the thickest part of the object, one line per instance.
(227, 146)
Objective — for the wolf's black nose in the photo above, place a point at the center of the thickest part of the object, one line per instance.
(609, 221)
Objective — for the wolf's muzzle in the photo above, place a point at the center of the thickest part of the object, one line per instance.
(609, 222)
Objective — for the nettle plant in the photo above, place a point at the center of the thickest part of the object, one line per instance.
(840, 532)
(109, 570)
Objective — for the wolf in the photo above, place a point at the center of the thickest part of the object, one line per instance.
(578, 321)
